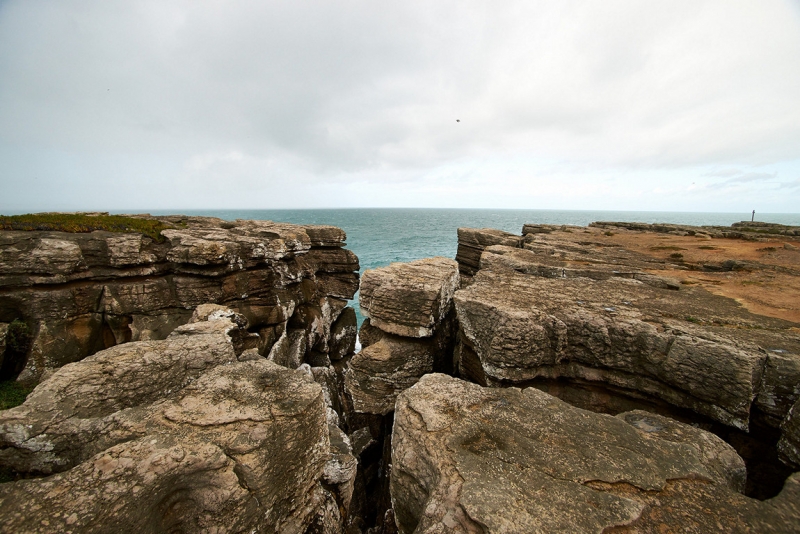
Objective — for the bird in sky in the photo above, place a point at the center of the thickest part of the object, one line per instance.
(458, 120)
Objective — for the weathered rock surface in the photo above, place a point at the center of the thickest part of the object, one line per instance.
(408, 333)
(473, 241)
(721, 460)
(49, 431)
(389, 364)
(789, 444)
(546, 262)
(472, 459)
(80, 293)
(174, 435)
(3, 331)
(409, 299)
(739, 230)
(620, 332)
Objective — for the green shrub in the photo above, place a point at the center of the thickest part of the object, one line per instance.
(78, 223)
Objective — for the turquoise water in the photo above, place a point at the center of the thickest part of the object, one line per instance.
(382, 236)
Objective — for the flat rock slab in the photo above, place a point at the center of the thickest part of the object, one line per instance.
(548, 264)
(409, 299)
(627, 334)
(472, 459)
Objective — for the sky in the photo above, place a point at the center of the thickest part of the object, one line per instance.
(686, 105)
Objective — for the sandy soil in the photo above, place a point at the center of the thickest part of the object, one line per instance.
(770, 286)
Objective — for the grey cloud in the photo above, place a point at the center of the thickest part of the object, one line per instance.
(370, 91)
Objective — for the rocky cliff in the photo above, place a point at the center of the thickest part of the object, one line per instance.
(613, 378)
(78, 293)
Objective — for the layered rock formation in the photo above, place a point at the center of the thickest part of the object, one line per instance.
(407, 333)
(473, 459)
(257, 416)
(82, 292)
(184, 434)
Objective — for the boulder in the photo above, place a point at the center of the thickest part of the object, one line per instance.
(471, 459)
(378, 373)
(243, 447)
(409, 299)
(721, 460)
(47, 433)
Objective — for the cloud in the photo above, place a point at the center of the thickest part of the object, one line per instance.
(247, 95)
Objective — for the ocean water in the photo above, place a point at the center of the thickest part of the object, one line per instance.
(380, 236)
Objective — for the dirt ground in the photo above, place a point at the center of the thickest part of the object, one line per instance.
(768, 283)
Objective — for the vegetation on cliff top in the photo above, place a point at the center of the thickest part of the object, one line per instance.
(78, 222)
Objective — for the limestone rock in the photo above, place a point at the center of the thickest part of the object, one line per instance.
(242, 448)
(721, 460)
(472, 242)
(84, 292)
(408, 299)
(472, 459)
(44, 434)
(3, 331)
(378, 373)
(524, 327)
(572, 265)
(789, 444)
(343, 335)
(214, 312)
(340, 469)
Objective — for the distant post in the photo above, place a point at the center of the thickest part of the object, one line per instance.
(753, 218)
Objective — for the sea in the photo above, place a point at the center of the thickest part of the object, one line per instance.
(380, 236)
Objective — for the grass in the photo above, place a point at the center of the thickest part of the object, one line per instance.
(78, 223)
(12, 393)
(692, 319)
(676, 256)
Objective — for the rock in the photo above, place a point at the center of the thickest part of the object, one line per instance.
(343, 335)
(780, 386)
(43, 434)
(340, 469)
(472, 242)
(408, 299)
(521, 328)
(133, 288)
(288, 351)
(241, 448)
(721, 460)
(214, 312)
(3, 331)
(473, 459)
(382, 370)
(789, 443)
(538, 228)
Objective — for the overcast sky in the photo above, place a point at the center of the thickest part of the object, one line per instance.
(610, 104)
